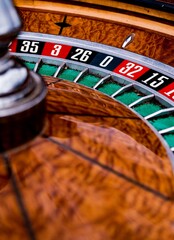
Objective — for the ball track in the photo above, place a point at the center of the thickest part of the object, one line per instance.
(148, 104)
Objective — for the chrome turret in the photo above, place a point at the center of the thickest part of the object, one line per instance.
(22, 92)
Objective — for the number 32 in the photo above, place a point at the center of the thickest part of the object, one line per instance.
(130, 66)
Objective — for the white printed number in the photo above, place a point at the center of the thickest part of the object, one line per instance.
(170, 94)
(81, 55)
(127, 70)
(31, 47)
(56, 50)
(156, 82)
(106, 61)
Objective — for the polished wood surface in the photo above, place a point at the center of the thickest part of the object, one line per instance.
(96, 171)
(85, 177)
(128, 6)
(74, 6)
(153, 37)
(100, 113)
(93, 104)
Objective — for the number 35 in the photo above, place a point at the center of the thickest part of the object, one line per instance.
(31, 47)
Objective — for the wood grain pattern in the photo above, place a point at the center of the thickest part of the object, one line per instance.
(53, 5)
(63, 97)
(129, 7)
(146, 42)
(104, 126)
(69, 197)
(96, 171)
(85, 177)
(124, 14)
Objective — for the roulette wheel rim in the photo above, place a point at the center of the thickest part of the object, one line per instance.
(106, 52)
(19, 174)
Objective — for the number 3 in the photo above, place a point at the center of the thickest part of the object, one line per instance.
(56, 50)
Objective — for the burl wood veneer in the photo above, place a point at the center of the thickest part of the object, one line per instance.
(96, 171)
(89, 175)
(154, 34)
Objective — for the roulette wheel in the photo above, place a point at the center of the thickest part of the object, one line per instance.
(98, 163)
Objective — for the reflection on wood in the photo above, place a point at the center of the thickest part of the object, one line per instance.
(85, 177)
(97, 126)
(69, 98)
(96, 171)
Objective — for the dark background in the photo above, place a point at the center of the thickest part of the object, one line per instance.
(164, 5)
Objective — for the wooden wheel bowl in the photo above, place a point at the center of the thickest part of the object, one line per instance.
(97, 171)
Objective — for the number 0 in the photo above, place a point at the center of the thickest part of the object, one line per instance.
(106, 61)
